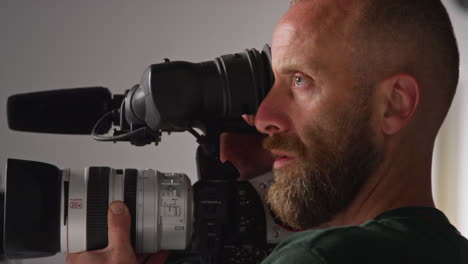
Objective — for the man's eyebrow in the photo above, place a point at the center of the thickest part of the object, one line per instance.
(307, 65)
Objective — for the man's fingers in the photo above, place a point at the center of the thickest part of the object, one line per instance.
(141, 258)
(250, 119)
(119, 250)
(159, 257)
(119, 220)
(72, 258)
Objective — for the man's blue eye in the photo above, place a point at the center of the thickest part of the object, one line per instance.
(298, 81)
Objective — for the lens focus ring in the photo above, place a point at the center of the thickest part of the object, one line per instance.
(97, 204)
(130, 198)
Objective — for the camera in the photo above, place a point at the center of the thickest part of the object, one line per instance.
(67, 209)
(219, 219)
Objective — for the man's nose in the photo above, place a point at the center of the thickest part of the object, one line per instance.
(271, 117)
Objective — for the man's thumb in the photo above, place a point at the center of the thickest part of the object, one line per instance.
(118, 221)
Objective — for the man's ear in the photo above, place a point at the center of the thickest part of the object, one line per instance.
(400, 100)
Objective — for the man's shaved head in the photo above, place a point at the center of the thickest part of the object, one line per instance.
(421, 33)
(361, 90)
(404, 36)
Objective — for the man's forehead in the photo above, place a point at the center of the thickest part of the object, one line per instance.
(311, 24)
(298, 31)
(289, 49)
(315, 16)
(285, 34)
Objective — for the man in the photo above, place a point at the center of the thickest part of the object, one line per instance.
(361, 90)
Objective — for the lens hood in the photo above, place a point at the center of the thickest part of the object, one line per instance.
(32, 209)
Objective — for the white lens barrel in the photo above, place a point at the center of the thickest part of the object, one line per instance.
(77, 204)
(162, 208)
(147, 213)
(116, 186)
(176, 211)
(164, 211)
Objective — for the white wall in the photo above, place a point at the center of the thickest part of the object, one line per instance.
(52, 44)
(451, 157)
(460, 20)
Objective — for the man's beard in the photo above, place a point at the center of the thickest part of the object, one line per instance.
(326, 173)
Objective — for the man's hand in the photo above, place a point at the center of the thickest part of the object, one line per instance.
(246, 153)
(119, 249)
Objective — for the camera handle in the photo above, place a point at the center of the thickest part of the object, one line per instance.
(228, 213)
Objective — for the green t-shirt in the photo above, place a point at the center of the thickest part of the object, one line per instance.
(404, 235)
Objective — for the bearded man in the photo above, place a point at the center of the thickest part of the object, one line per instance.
(361, 90)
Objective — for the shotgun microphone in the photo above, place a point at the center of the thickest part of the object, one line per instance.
(66, 111)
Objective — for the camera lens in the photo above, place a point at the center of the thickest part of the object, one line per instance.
(48, 210)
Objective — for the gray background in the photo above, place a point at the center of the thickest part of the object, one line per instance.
(52, 44)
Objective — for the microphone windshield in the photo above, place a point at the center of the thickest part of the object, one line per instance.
(67, 111)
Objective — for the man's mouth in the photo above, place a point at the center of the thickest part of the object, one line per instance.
(281, 159)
